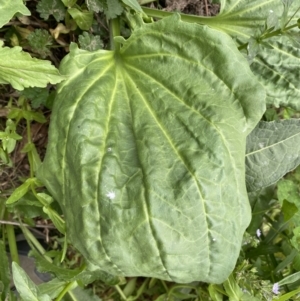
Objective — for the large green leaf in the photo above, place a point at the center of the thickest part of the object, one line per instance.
(9, 8)
(272, 151)
(146, 152)
(278, 70)
(20, 70)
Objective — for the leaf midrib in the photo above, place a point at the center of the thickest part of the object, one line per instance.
(273, 145)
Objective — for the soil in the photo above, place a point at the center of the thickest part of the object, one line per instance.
(194, 7)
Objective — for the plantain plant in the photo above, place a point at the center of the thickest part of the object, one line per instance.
(156, 144)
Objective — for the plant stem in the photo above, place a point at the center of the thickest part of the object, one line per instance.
(33, 242)
(165, 286)
(155, 13)
(270, 35)
(12, 241)
(29, 154)
(69, 286)
(120, 292)
(114, 30)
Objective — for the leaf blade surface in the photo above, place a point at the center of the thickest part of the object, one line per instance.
(21, 70)
(152, 159)
(271, 152)
(9, 8)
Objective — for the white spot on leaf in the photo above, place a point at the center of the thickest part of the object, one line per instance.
(111, 195)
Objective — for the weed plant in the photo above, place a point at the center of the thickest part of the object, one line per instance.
(171, 170)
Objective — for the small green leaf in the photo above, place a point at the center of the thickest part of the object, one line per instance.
(84, 19)
(26, 288)
(61, 273)
(52, 288)
(34, 157)
(80, 293)
(130, 287)
(95, 5)
(9, 145)
(19, 192)
(20, 70)
(39, 40)
(29, 207)
(284, 18)
(113, 9)
(37, 96)
(289, 295)
(4, 157)
(56, 219)
(46, 198)
(289, 210)
(232, 289)
(90, 42)
(51, 7)
(288, 190)
(36, 116)
(9, 8)
(290, 279)
(214, 293)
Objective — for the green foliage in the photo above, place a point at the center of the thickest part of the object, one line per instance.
(51, 7)
(84, 19)
(133, 4)
(157, 117)
(40, 40)
(146, 150)
(27, 289)
(113, 8)
(21, 70)
(9, 8)
(95, 5)
(271, 152)
(90, 42)
(37, 96)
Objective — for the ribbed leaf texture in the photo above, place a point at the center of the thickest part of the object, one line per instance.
(146, 152)
(272, 151)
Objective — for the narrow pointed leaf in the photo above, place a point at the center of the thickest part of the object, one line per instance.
(9, 8)
(20, 70)
(26, 288)
(273, 149)
(148, 163)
